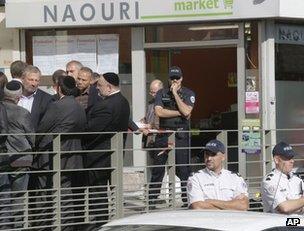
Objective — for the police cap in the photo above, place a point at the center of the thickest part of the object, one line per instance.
(283, 149)
(175, 72)
(215, 146)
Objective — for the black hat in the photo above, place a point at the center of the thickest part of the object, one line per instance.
(215, 146)
(175, 72)
(111, 78)
(13, 89)
(283, 149)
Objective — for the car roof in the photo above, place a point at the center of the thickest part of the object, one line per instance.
(208, 219)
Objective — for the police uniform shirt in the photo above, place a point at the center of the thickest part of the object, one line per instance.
(277, 187)
(207, 185)
(187, 95)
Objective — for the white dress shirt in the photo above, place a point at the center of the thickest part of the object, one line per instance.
(27, 102)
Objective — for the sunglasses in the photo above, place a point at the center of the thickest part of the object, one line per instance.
(175, 77)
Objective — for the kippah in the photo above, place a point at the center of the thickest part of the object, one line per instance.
(13, 88)
(13, 85)
(111, 78)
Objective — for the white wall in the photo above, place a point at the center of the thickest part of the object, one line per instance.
(292, 8)
(9, 44)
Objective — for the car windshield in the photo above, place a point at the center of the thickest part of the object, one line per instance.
(153, 228)
(285, 228)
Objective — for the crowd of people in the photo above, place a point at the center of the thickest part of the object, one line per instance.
(88, 102)
(84, 102)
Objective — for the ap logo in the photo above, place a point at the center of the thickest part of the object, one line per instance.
(293, 221)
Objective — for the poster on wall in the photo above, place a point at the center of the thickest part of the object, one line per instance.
(107, 56)
(44, 51)
(86, 51)
(252, 104)
(251, 136)
(98, 52)
(66, 47)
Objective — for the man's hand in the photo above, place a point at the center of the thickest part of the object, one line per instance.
(240, 197)
(144, 131)
(174, 87)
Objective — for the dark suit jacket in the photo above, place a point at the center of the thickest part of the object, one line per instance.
(40, 105)
(63, 116)
(108, 115)
(93, 98)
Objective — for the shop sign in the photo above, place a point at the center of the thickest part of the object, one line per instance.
(290, 34)
(37, 13)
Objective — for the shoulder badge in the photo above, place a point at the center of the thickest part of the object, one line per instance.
(192, 99)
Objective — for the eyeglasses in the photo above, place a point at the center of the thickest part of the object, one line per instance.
(175, 77)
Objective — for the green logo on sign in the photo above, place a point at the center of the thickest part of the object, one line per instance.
(228, 4)
(196, 8)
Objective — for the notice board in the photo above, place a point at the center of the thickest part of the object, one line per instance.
(98, 52)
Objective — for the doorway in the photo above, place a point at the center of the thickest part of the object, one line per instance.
(212, 74)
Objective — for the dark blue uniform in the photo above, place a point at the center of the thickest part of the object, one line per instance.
(166, 100)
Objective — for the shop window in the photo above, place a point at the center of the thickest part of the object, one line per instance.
(81, 44)
(289, 62)
(191, 32)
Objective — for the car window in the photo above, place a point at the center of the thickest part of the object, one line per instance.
(153, 228)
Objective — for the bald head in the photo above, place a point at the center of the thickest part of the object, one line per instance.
(155, 86)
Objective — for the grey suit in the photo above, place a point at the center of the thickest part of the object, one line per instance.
(18, 122)
(3, 128)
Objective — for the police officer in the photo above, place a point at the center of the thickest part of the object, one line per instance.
(215, 187)
(282, 191)
(173, 106)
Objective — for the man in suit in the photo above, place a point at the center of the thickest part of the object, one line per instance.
(33, 99)
(65, 116)
(108, 115)
(18, 122)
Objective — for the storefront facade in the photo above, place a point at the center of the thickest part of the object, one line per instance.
(226, 48)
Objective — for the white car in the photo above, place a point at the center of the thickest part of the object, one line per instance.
(206, 220)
